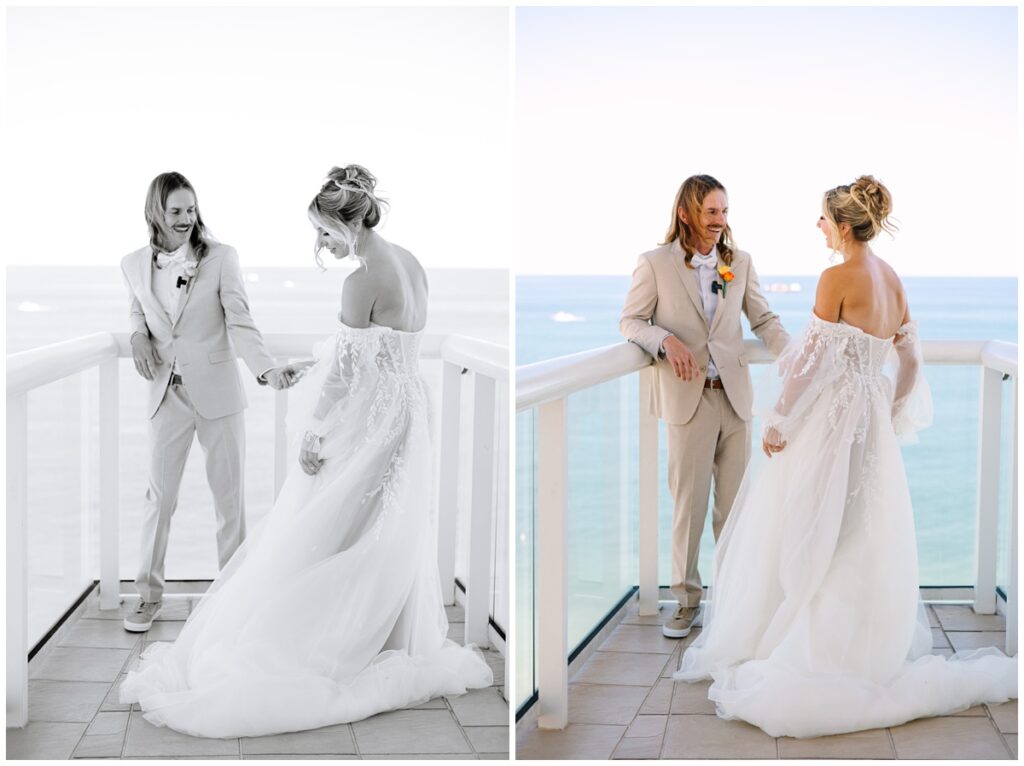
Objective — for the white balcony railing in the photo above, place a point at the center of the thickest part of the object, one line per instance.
(546, 386)
(102, 351)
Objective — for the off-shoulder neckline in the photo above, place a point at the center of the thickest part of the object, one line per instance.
(901, 331)
(374, 326)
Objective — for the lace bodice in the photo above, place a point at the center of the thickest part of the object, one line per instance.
(864, 353)
(391, 351)
(840, 362)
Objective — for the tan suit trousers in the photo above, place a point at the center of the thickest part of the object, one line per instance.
(171, 430)
(715, 443)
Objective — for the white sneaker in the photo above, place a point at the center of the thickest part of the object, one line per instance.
(142, 618)
(680, 623)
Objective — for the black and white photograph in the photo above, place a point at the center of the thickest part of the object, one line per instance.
(257, 382)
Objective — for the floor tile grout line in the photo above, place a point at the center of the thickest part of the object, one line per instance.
(892, 744)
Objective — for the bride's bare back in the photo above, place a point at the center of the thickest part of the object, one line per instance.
(390, 289)
(864, 292)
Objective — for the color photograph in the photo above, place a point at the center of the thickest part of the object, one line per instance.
(766, 331)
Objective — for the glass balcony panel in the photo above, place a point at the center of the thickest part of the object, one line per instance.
(942, 471)
(526, 548)
(602, 528)
(1007, 465)
(63, 490)
(499, 558)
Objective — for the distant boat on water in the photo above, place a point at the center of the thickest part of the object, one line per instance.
(784, 287)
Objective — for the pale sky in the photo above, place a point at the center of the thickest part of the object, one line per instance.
(254, 106)
(616, 106)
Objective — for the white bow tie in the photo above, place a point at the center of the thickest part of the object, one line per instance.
(163, 260)
(709, 261)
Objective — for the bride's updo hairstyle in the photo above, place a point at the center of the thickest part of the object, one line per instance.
(347, 198)
(865, 205)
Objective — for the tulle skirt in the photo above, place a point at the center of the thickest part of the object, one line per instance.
(815, 626)
(331, 611)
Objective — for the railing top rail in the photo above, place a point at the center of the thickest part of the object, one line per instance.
(477, 355)
(1001, 356)
(555, 378)
(47, 364)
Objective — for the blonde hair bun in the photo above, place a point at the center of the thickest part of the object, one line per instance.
(873, 195)
(349, 196)
(865, 204)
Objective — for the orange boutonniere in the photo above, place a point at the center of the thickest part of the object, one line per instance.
(727, 276)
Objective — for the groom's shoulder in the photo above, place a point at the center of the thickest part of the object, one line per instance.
(220, 249)
(661, 253)
(136, 256)
(740, 256)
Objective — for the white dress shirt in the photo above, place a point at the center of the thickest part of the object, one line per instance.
(707, 273)
(166, 290)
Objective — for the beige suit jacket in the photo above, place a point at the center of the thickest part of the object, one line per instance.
(665, 299)
(210, 328)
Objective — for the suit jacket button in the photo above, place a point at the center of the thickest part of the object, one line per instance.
(703, 368)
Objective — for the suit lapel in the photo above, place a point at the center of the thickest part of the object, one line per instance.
(722, 302)
(688, 277)
(186, 291)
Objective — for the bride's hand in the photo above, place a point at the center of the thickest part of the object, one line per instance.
(772, 442)
(309, 454)
(296, 370)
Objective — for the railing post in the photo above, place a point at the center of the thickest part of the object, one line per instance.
(989, 426)
(552, 565)
(110, 553)
(17, 560)
(648, 480)
(478, 585)
(1011, 537)
(448, 477)
(280, 439)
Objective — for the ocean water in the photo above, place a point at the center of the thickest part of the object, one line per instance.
(48, 305)
(558, 315)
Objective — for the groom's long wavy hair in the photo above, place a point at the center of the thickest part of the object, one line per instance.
(690, 198)
(160, 188)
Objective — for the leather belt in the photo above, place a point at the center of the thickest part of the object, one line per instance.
(175, 379)
(713, 383)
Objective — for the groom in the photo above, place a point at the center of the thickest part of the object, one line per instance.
(683, 308)
(190, 320)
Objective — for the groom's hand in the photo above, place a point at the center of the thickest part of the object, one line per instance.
(278, 378)
(683, 362)
(145, 356)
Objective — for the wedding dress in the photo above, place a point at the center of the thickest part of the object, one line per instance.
(815, 624)
(332, 610)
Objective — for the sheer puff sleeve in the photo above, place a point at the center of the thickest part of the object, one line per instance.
(912, 398)
(807, 365)
(343, 371)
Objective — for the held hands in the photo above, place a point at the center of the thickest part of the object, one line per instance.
(279, 378)
(287, 376)
(772, 442)
(683, 362)
(145, 356)
(309, 453)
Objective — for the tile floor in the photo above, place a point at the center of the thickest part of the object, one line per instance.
(74, 710)
(623, 704)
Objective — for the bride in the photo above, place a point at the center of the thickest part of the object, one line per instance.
(332, 611)
(815, 626)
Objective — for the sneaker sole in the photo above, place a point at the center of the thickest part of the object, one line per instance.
(674, 632)
(139, 627)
